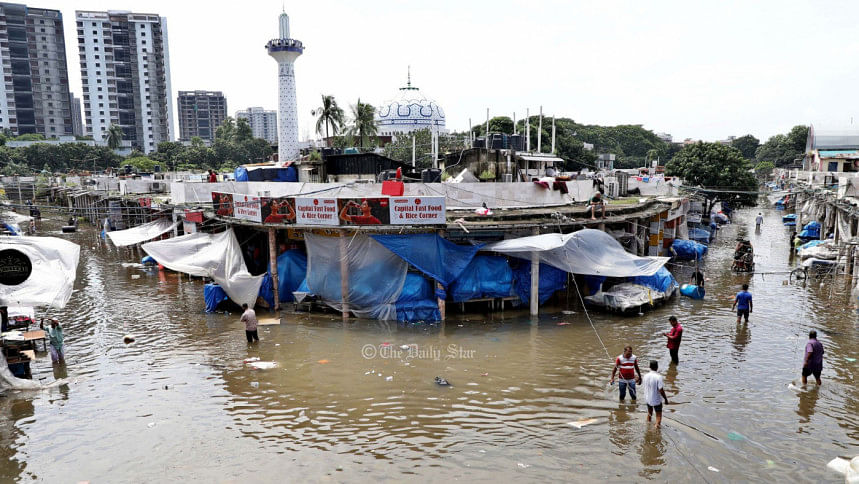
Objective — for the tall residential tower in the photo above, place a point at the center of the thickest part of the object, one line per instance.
(34, 78)
(285, 51)
(263, 123)
(200, 114)
(125, 71)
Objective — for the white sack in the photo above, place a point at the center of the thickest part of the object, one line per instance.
(141, 233)
(55, 265)
(218, 256)
(587, 252)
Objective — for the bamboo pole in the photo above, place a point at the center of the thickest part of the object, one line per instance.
(272, 254)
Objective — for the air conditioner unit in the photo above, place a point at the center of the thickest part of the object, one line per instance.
(612, 189)
(157, 187)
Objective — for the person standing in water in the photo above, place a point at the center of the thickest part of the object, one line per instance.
(654, 392)
(675, 335)
(759, 220)
(743, 303)
(249, 317)
(627, 363)
(55, 339)
(813, 362)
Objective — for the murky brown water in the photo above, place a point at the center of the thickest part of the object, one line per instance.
(179, 404)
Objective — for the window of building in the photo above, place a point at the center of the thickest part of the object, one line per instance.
(95, 32)
(101, 113)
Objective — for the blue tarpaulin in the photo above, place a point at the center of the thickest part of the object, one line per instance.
(417, 301)
(810, 231)
(662, 281)
(213, 294)
(11, 229)
(291, 272)
(810, 244)
(241, 174)
(435, 256)
(702, 236)
(551, 280)
(688, 249)
(484, 276)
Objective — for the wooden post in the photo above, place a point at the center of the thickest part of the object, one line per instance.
(344, 276)
(535, 279)
(272, 254)
(441, 304)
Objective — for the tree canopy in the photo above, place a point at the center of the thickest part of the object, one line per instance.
(747, 145)
(717, 172)
(783, 149)
(363, 122)
(401, 149)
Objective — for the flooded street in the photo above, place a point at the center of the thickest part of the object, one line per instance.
(347, 404)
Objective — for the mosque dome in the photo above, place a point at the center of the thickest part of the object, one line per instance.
(409, 111)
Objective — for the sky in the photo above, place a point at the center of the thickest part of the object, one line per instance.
(701, 70)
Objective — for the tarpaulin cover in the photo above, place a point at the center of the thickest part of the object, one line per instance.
(663, 281)
(688, 249)
(218, 256)
(810, 231)
(810, 244)
(551, 280)
(435, 256)
(13, 228)
(291, 271)
(55, 264)
(485, 276)
(720, 218)
(588, 251)
(213, 294)
(266, 289)
(141, 233)
(241, 174)
(417, 300)
(376, 275)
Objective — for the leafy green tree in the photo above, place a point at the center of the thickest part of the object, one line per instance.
(142, 164)
(227, 130)
(498, 124)
(747, 145)
(329, 115)
(783, 149)
(243, 132)
(30, 137)
(363, 122)
(764, 169)
(114, 137)
(716, 172)
(401, 148)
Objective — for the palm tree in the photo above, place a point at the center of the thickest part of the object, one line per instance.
(114, 137)
(330, 114)
(363, 121)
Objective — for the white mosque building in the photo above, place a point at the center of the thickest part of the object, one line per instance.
(409, 111)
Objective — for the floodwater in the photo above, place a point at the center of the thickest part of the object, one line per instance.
(180, 405)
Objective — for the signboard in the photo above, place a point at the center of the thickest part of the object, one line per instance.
(680, 210)
(193, 216)
(316, 211)
(277, 210)
(15, 267)
(189, 227)
(417, 211)
(223, 204)
(247, 207)
(364, 211)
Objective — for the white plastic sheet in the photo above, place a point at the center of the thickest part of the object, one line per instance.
(218, 256)
(376, 275)
(55, 265)
(141, 233)
(588, 252)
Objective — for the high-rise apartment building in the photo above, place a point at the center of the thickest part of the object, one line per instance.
(263, 123)
(77, 120)
(200, 113)
(125, 71)
(34, 79)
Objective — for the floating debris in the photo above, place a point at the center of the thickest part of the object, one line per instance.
(441, 381)
(128, 339)
(581, 423)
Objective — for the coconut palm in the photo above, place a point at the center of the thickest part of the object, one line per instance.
(329, 114)
(363, 121)
(114, 137)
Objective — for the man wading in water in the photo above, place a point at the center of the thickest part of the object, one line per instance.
(674, 337)
(628, 365)
(813, 362)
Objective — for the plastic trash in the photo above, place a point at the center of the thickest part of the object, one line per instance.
(150, 424)
(250, 360)
(390, 378)
(441, 381)
(735, 436)
(581, 423)
(568, 312)
(263, 365)
(128, 339)
(848, 468)
(522, 466)
(851, 360)
(404, 347)
(711, 468)
(135, 276)
(563, 324)
(255, 384)
(322, 362)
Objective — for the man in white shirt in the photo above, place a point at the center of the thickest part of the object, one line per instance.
(249, 317)
(654, 393)
(759, 220)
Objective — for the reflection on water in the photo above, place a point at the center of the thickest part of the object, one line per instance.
(181, 400)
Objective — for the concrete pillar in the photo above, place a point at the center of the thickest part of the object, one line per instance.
(442, 307)
(175, 219)
(272, 254)
(535, 280)
(344, 276)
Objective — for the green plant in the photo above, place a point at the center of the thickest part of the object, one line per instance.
(486, 175)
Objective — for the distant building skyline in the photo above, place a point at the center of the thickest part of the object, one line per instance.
(200, 114)
(263, 122)
(77, 120)
(34, 97)
(125, 73)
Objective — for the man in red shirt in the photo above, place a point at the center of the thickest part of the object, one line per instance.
(674, 336)
(627, 363)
